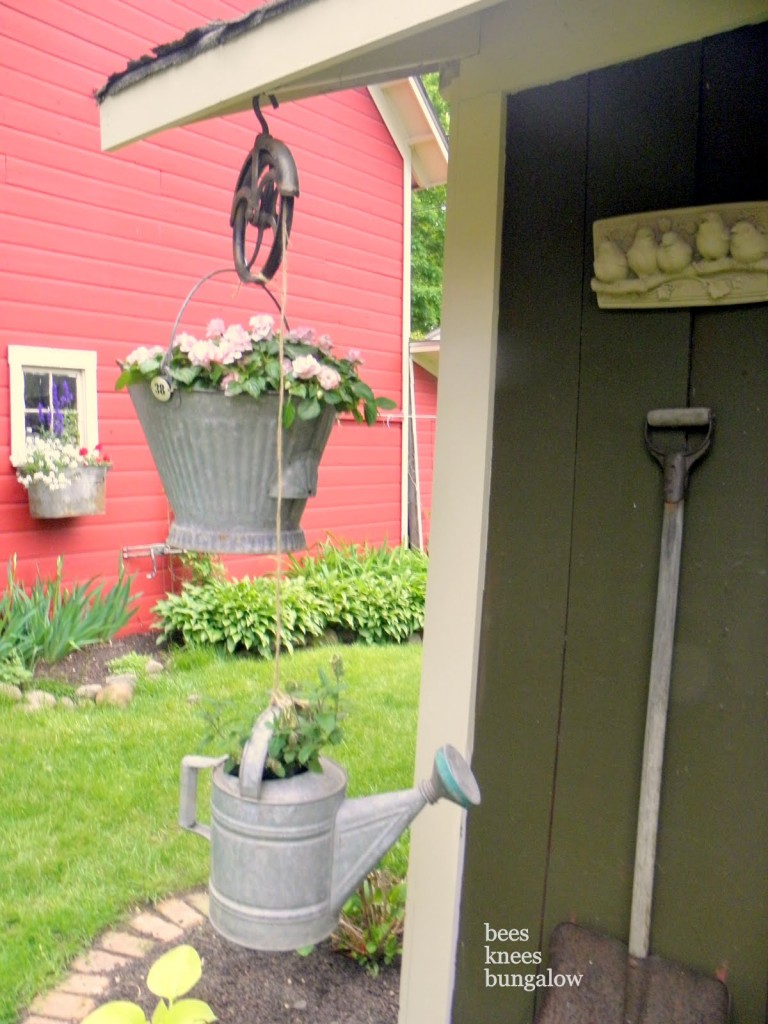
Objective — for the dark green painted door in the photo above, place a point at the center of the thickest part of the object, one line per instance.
(573, 546)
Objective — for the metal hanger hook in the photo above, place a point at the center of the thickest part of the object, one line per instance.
(259, 116)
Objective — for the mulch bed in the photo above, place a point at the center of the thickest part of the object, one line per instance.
(247, 987)
(89, 665)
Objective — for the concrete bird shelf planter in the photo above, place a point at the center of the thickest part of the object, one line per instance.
(697, 256)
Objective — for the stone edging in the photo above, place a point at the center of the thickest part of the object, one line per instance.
(116, 689)
(77, 995)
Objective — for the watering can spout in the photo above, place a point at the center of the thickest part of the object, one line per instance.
(366, 827)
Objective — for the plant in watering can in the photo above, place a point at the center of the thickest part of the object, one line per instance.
(303, 721)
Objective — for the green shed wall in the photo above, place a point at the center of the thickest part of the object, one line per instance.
(574, 530)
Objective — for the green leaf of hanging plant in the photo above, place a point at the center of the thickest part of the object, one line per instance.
(185, 374)
(289, 414)
(371, 412)
(309, 409)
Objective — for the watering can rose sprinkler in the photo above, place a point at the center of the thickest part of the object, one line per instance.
(286, 854)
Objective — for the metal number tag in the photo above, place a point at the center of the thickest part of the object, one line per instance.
(160, 388)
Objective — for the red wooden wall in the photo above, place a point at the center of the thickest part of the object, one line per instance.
(99, 251)
(425, 407)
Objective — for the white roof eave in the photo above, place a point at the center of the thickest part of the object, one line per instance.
(313, 48)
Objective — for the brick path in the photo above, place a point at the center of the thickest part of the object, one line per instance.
(147, 932)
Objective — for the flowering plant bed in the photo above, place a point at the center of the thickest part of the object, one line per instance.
(237, 361)
(62, 479)
(52, 460)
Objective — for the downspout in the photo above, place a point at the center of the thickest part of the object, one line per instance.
(406, 365)
(384, 107)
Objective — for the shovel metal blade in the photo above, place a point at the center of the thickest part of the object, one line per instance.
(616, 988)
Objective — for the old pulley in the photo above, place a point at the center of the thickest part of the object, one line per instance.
(264, 195)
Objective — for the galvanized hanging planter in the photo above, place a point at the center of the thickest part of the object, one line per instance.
(84, 494)
(217, 459)
(286, 854)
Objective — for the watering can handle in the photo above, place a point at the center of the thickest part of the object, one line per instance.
(190, 766)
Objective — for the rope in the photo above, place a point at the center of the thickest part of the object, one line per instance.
(278, 695)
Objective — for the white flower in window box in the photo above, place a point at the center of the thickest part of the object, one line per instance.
(62, 479)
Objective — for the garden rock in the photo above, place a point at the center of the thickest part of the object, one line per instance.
(153, 667)
(118, 692)
(10, 691)
(121, 677)
(88, 691)
(40, 699)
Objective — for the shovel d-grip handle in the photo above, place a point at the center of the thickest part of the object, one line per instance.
(190, 766)
(697, 424)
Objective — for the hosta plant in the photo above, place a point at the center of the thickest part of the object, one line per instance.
(171, 976)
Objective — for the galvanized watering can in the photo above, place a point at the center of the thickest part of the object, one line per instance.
(286, 854)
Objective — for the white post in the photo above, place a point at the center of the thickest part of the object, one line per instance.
(457, 542)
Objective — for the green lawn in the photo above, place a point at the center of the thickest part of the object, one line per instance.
(88, 797)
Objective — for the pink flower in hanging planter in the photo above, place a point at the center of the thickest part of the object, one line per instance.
(328, 378)
(261, 326)
(201, 353)
(305, 367)
(240, 361)
(237, 337)
(143, 353)
(215, 328)
(306, 335)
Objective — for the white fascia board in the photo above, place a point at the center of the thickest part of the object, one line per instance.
(316, 47)
(414, 130)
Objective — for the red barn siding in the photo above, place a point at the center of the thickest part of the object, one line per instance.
(425, 404)
(99, 250)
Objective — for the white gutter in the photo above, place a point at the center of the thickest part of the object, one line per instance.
(411, 125)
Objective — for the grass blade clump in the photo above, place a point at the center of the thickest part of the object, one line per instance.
(48, 621)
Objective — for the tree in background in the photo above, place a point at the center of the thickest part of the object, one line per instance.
(428, 237)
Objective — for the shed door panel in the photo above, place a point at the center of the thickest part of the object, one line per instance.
(574, 533)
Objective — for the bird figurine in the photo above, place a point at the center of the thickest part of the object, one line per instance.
(748, 245)
(713, 237)
(674, 253)
(642, 254)
(610, 263)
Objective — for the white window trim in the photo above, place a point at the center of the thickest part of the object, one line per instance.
(28, 357)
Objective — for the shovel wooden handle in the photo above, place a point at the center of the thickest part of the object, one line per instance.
(655, 729)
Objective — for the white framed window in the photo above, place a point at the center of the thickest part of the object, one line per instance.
(52, 390)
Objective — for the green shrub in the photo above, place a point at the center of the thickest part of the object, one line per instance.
(241, 615)
(375, 595)
(49, 621)
(370, 928)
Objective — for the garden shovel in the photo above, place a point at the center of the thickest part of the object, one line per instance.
(620, 985)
